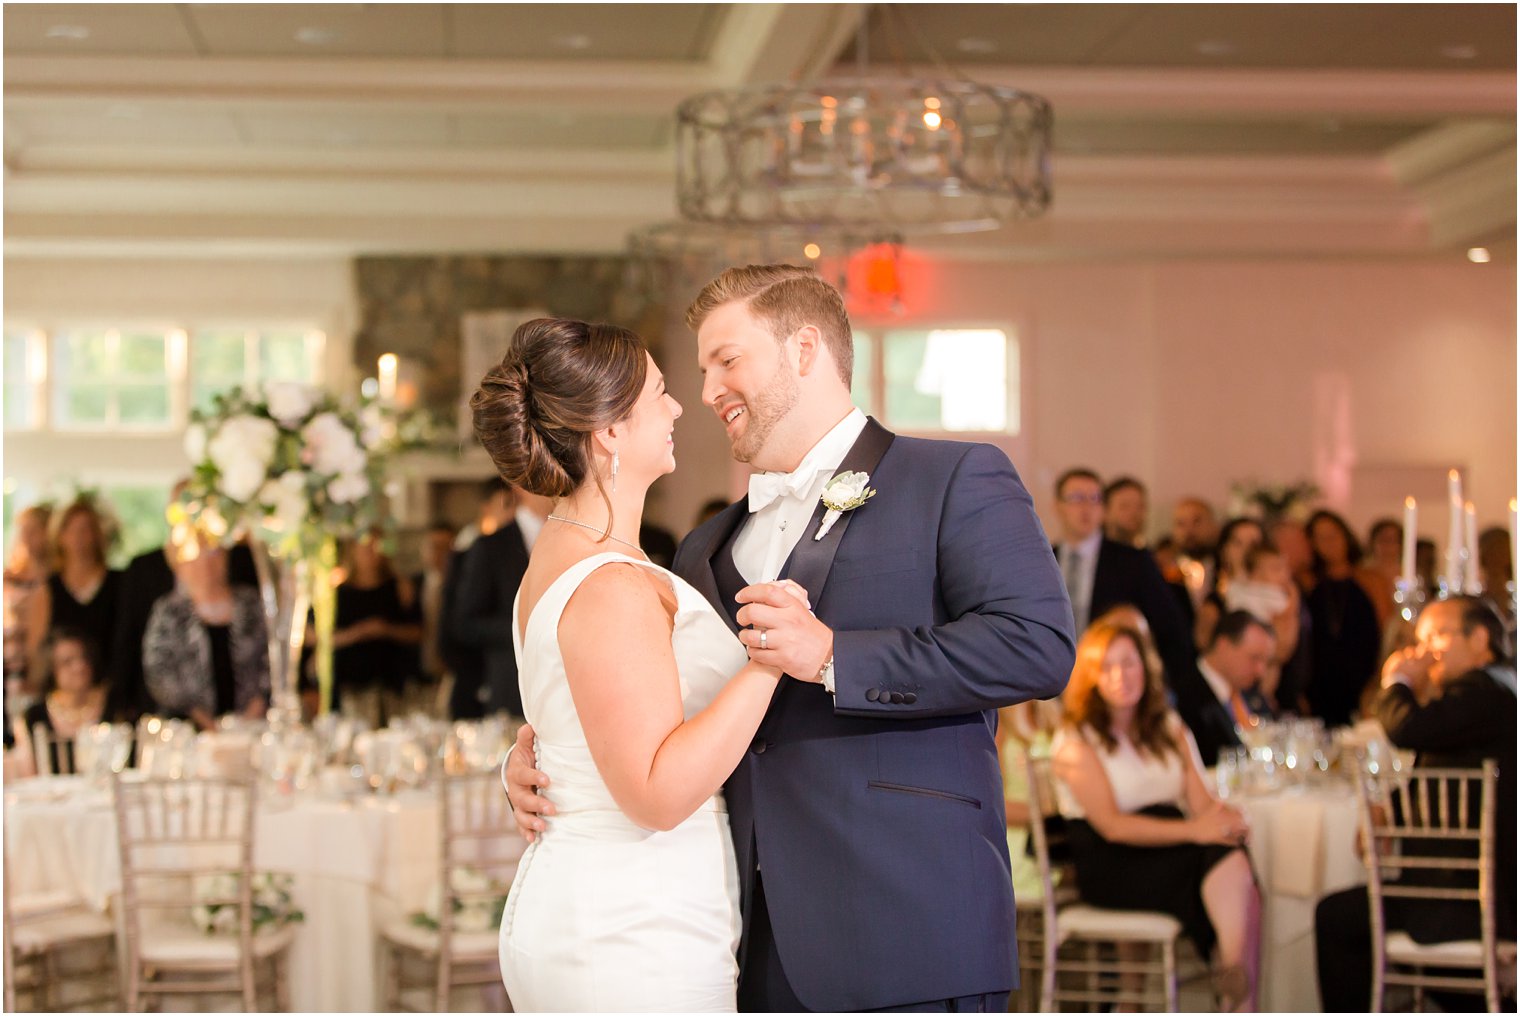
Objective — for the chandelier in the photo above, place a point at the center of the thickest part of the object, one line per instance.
(865, 154)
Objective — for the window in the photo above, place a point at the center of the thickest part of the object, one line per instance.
(140, 514)
(109, 378)
(20, 405)
(223, 358)
(940, 380)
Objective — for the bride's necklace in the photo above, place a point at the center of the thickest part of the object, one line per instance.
(594, 529)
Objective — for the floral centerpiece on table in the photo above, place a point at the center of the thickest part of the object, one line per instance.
(481, 910)
(215, 913)
(297, 469)
(1269, 502)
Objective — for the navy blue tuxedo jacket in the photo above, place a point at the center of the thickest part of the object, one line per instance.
(877, 814)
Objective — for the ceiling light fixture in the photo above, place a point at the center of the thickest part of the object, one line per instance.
(1460, 51)
(867, 154)
(315, 35)
(73, 32)
(1479, 255)
(576, 41)
(1215, 47)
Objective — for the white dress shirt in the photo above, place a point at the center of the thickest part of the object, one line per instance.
(767, 537)
(1222, 689)
(1081, 587)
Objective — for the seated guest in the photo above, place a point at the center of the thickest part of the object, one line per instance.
(1125, 505)
(429, 692)
(376, 635)
(1451, 700)
(1220, 695)
(1101, 573)
(205, 650)
(1270, 594)
(81, 592)
(73, 701)
(1384, 563)
(1344, 634)
(1236, 539)
(147, 577)
(1195, 532)
(1146, 832)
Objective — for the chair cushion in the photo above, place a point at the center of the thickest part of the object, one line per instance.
(465, 946)
(35, 934)
(169, 946)
(24, 906)
(1469, 953)
(1083, 921)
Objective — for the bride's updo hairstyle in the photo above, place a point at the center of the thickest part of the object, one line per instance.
(560, 381)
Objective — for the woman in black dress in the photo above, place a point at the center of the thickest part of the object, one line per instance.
(1146, 832)
(1344, 637)
(377, 635)
(81, 592)
(73, 701)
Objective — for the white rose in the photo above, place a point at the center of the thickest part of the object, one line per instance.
(347, 488)
(241, 451)
(289, 401)
(201, 916)
(845, 488)
(371, 425)
(331, 445)
(195, 442)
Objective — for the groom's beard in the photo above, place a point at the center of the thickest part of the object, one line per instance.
(768, 408)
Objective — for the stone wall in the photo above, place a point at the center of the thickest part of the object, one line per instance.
(411, 306)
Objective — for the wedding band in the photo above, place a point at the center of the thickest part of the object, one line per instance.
(763, 633)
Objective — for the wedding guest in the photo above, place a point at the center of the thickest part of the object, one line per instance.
(1451, 700)
(1195, 531)
(1101, 574)
(482, 616)
(148, 577)
(205, 650)
(26, 571)
(496, 506)
(1292, 541)
(710, 507)
(1146, 832)
(81, 592)
(1125, 506)
(1222, 694)
(1425, 567)
(1344, 635)
(376, 634)
(1496, 563)
(1168, 562)
(1236, 539)
(1385, 549)
(1270, 594)
(72, 701)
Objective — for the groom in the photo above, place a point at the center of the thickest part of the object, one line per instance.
(868, 813)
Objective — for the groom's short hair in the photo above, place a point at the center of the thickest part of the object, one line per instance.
(783, 298)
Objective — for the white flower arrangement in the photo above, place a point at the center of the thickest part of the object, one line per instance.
(288, 462)
(214, 911)
(843, 493)
(480, 912)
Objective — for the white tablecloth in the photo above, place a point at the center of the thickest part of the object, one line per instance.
(355, 865)
(1303, 846)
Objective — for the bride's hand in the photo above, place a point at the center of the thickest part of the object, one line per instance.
(781, 631)
(523, 783)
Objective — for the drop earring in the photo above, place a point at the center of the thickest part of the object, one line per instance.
(614, 471)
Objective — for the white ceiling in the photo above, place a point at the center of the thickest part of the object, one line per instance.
(1228, 129)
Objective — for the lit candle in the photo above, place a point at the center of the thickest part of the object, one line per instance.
(1406, 573)
(387, 376)
(1474, 584)
(1454, 534)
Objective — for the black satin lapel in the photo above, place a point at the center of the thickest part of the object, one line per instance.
(703, 579)
(812, 558)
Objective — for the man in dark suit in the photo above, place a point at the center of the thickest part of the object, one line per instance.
(1100, 573)
(480, 617)
(866, 815)
(1220, 694)
(1451, 700)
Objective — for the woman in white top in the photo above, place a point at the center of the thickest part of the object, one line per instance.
(641, 698)
(1146, 833)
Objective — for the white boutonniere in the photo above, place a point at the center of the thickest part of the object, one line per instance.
(843, 493)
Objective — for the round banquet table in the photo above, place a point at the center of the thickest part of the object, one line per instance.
(1303, 846)
(356, 864)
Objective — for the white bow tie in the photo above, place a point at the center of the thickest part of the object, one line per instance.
(767, 487)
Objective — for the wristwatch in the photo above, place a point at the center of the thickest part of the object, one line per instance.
(826, 674)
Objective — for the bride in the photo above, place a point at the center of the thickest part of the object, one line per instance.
(642, 699)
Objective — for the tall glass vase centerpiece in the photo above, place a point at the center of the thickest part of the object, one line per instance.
(296, 470)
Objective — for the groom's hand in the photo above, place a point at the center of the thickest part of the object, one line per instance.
(795, 642)
(523, 784)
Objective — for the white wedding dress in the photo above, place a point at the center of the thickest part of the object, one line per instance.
(604, 915)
